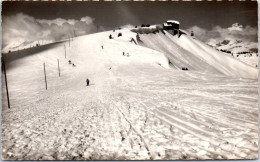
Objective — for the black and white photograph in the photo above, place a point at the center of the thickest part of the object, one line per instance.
(129, 80)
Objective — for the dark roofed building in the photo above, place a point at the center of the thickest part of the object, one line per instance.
(171, 25)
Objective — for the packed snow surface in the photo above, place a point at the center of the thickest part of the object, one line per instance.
(140, 105)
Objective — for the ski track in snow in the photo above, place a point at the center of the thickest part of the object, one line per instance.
(128, 114)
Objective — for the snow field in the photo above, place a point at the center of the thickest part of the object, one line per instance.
(137, 110)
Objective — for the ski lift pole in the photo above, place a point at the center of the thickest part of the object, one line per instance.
(45, 75)
(59, 67)
(74, 34)
(6, 86)
(65, 50)
(69, 41)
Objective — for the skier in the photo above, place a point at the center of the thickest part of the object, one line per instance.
(102, 47)
(192, 34)
(87, 82)
(73, 65)
(69, 62)
(123, 53)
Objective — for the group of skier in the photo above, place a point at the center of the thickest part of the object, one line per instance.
(72, 63)
(87, 80)
(124, 54)
(102, 47)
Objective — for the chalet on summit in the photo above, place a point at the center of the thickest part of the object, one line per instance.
(171, 25)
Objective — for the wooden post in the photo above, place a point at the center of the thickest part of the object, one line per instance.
(59, 67)
(69, 41)
(6, 86)
(45, 75)
(74, 33)
(65, 50)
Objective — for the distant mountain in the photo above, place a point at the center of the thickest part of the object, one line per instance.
(246, 52)
(235, 39)
(235, 46)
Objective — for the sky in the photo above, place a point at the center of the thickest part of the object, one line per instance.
(32, 21)
(114, 14)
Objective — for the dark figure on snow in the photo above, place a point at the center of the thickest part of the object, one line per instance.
(73, 65)
(69, 62)
(123, 53)
(102, 47)
(87, 82)
(110, 36)
(192, 34)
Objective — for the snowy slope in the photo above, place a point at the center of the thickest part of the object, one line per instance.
(179, 52)
(138, 106)
(195, 55)
(78, 51)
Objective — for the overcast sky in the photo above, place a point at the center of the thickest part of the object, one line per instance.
(114, 14)
(24, 23)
